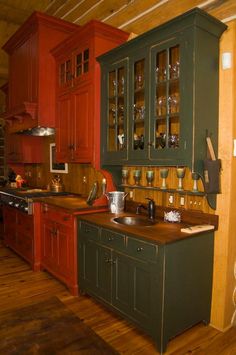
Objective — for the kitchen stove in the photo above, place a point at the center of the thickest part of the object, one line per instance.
(22, 199)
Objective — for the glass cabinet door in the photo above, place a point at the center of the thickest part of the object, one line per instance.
(116, 140)
(166, 97)
(138, 110)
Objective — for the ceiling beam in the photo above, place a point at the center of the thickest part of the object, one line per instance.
(13, 15)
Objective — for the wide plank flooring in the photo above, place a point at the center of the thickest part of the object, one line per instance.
(20, 286)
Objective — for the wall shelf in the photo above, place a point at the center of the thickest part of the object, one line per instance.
(181, 192)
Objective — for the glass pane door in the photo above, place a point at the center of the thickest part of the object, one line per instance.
(167, 99)
(116, 139)
(139, 109)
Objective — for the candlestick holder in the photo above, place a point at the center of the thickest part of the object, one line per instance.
(164, 173)
(195, 177)
(149, 177)
(180, 175)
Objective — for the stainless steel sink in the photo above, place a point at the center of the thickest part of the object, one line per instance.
(134, 221)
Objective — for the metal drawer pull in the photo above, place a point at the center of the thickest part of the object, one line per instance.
(87, 230)
(140, 249)
(110, 239)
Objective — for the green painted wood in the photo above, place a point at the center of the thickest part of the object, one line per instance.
(197, 35)
(162, 292)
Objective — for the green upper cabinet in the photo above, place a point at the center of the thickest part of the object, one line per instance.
(160, 94)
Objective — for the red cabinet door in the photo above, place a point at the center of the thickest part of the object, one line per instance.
(9, 218)
(25, 236)
(49, 245)
(63, 131)
(65, 250)
(82, 132)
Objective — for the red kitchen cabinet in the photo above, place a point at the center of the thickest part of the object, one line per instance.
(19, 232)
(23, 149)
(78, 91)
(31, 100)
(74, 137)
(58, 249)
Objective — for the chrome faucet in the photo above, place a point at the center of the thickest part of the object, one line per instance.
(151, 207)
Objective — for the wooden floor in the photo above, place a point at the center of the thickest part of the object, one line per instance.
(19, 286)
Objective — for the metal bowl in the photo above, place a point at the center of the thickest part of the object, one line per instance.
(134, 221)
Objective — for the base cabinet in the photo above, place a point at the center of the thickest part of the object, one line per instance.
(163, 289)
(19, 232)
(59, 245)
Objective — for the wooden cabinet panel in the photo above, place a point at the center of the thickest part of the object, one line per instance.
(79, 77)
(152, 289)
(19, 232)
(32, 71)
(153, 108)
(23, 149)
(59, 245)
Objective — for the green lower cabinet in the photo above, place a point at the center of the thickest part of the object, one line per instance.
(163, 289)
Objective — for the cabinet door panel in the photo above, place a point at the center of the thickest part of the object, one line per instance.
(115, 112)
(64, 117)
(82, 133)
(49, 245)
(65, 248)
(95, 269)
(20, 69)
(121, 290)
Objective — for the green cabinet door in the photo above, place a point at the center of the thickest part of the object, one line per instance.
(114, 112)
(95, 269)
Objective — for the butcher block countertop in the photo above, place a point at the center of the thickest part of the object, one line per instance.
(160, 233)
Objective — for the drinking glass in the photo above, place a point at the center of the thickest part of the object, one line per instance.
(125, 175)
(150, 177)
(164, 173)
(180, 174)
(137, 176)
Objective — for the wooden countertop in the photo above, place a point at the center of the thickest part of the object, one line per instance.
(160, 233)
(73, 203)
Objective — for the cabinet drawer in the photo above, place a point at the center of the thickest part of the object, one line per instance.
(57, 215)
(88, 231)
(142, 250)
(113, 239)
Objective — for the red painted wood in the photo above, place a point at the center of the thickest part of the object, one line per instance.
(32, 70)
(59, 245)
(83, 141)
(23, 149)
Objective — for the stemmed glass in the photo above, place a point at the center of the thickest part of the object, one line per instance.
(164, 174)
(150, 177)
(180, 175)
(125, 175)
(137, 176)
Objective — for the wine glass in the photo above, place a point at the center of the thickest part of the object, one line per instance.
(164, 173)
(137, 176)
(149, 177)
(180, 174)
(125, 175)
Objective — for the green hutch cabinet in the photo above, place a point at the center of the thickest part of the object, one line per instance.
(160, 94)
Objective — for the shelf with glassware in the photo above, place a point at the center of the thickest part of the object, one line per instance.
(170, 95)
(145, 179)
